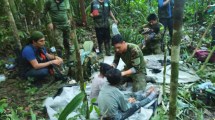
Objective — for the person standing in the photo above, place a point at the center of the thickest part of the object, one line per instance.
(100, 12)
(132, 56)
(165, 14)
(58, 22)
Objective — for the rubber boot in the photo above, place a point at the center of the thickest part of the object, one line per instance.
(107, 49)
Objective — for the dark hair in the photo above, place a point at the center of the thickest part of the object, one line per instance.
(117, 39)
(104, 67)
(114, 76)
(152, 17)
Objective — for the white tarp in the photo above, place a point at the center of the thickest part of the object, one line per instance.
(57, 104)
(186, 74)
(54, 106)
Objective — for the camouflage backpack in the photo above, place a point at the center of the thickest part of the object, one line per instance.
(90, 62)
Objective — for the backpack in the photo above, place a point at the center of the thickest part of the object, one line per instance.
(90, 62)
(201, 55)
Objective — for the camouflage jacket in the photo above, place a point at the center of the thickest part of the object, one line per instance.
(57, 13)
(157, 36)
(133, 57)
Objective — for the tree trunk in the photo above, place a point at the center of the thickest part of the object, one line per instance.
(82, 7)
(13, 9)
(13, 25)
(79, 66)
(177, 35)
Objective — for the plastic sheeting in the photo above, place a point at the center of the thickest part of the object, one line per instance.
(186, 74)
(57, 104)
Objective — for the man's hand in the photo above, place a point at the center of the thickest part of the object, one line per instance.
(58, 58)
(115, 21)
(113, 65)
(131, 100)
(50, 26)
(57, 62)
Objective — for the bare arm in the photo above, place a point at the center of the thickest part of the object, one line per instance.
(112, 16)
(54, 60)
(162, 3)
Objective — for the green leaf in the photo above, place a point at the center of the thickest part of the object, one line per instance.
(72, 105)
(33, 116)
(14, 115)
(91, 108)
(97, 110)
(93, 100)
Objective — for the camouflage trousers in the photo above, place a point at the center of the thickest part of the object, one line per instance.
(60, 39)
(155, 49)
(138, 81)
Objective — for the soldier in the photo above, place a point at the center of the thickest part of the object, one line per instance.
(59, 25)
(132, 56)
(100, 12)
(153, 35)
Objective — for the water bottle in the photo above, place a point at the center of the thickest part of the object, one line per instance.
(115, 29)
(53, 50)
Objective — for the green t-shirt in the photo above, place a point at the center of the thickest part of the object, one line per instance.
(111, 101)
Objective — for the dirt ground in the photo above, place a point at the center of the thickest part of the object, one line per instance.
(23, 96)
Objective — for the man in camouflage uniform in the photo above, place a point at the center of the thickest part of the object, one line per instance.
(59, 25)
(152, 32)
(132, 56)
(100, 12)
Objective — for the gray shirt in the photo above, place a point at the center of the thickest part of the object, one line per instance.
(96, 86)
(111, 101)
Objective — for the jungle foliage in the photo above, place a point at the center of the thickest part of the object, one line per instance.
(131, 15)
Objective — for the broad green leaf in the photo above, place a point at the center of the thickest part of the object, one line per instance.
(33, 116)
(72, 105)
(91, 108)
(97, 110)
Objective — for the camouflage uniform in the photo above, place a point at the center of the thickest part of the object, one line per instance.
(133, 58)
(153, 45)
(60, 36)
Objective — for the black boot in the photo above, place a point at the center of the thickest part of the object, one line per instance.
(107, 49)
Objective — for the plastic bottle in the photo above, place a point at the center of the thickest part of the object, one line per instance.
(53, 50)
(115, 29)
(205, 85)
